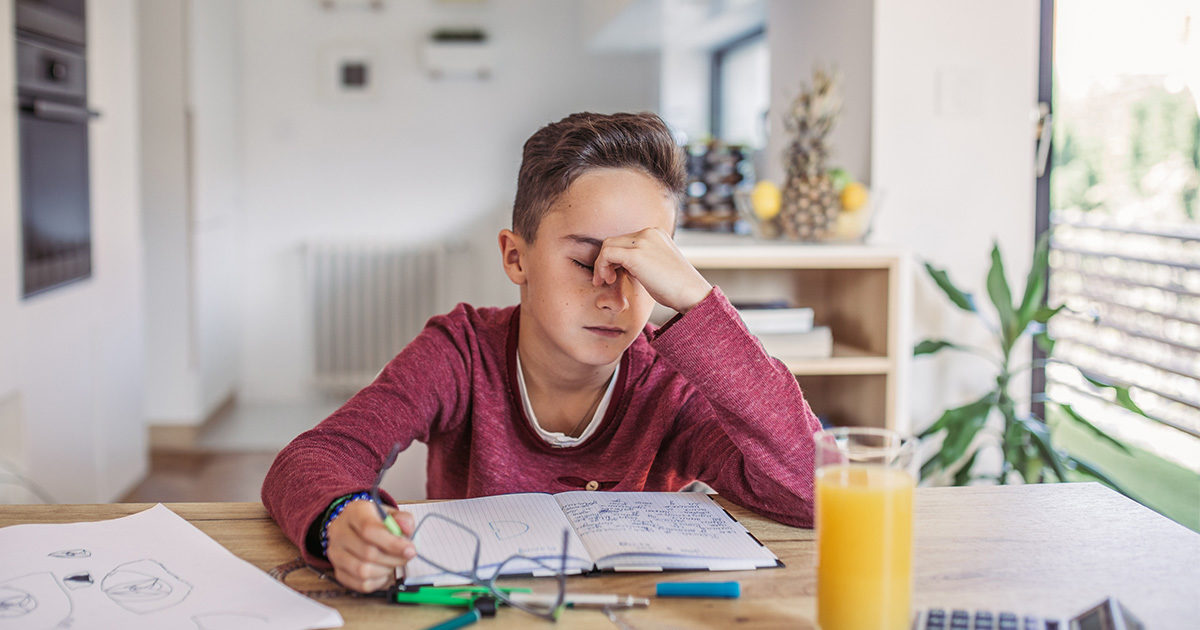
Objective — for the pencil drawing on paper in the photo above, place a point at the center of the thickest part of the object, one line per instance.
(508, 529)
(76, 581)
(36, 600)
(144, 586)
(71, 553)
(228, 621)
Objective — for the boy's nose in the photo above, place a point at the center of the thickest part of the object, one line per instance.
(615, 296)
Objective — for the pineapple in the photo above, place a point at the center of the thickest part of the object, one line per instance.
(810, 205)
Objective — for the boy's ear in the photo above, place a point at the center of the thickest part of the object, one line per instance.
(512, 256)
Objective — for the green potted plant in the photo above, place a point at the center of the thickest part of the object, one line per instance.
(1024, 439)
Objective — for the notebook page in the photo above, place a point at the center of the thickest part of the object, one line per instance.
(526, 524)
(661, 530)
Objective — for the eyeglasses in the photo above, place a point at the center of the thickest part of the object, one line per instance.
(454, 549)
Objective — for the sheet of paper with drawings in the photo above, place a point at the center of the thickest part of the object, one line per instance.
(148, 570)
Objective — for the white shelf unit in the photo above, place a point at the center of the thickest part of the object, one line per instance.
(863, 293)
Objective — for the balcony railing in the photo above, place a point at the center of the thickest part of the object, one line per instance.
(1133, 300)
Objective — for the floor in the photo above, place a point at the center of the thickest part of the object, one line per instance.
(231, 455)
(234, 452)
(216, 476)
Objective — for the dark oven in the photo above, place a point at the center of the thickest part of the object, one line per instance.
(53, 118)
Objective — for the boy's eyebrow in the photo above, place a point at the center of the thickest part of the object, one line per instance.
(587, 240)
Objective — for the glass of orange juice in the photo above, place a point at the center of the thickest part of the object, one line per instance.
(864, 494)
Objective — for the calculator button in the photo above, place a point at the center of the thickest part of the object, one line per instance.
(983, 620)
(1008, 621)
(1033, 623)
(960, 619)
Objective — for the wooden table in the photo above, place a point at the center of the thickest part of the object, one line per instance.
(1050, 550)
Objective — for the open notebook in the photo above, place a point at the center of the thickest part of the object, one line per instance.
(607, 531)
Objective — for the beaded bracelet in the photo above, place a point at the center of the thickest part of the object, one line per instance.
(334, 511)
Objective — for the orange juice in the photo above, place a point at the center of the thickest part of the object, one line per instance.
(864, 547)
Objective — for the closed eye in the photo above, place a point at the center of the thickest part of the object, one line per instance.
(579, 264)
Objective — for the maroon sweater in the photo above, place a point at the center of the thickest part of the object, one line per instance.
(697, 399)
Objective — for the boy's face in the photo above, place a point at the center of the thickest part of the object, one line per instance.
(590, 324)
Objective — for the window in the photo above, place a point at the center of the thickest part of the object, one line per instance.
(741, 90)
(1125, 218)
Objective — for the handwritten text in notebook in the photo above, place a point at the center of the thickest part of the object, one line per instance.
(668, 515)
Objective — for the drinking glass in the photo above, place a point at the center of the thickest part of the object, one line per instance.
(864, 494)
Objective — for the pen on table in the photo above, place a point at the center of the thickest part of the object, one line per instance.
(445, 595)
(582, 600)
(465, 619)
(698, 589)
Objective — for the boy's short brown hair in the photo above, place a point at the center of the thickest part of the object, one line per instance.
(560, 152)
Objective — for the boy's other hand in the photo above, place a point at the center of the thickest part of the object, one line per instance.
(364, 553)
(652, 258)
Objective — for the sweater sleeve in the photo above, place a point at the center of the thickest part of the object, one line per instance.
(747, 429)
(421, 391)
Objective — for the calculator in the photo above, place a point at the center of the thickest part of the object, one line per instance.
(958, 619)
(1109, 614)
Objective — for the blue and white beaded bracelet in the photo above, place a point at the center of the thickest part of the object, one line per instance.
(337, 510)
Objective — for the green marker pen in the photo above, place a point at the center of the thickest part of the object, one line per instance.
(388, 521)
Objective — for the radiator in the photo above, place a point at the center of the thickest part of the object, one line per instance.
(368, 301)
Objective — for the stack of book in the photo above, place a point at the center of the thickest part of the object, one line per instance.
(786, 332)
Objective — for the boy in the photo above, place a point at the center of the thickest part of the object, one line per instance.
(570, 390)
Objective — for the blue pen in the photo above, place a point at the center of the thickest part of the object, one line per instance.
(699, 589)
(465, 619)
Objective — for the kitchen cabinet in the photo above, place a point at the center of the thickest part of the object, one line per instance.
(189, 77)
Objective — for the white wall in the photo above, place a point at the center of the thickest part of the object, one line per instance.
(801, 34)
(952, 149)
(71, 358)
(419, 159)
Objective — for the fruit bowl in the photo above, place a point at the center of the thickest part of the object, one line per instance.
(850, 226)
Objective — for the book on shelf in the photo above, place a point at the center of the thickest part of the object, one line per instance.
(814, 344)
(774, 317)
(606, 531)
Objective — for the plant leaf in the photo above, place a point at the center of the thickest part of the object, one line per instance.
(931, 466)
(963, 476)
(930, 346)
(997, 287)
(1123, 397)
(1035, 283)
(1045, 342)
(1044, 313)
(962, 300)
(959, 435)
(1095, 430)
(950, 418)
(1041, 439)
(1087, 468)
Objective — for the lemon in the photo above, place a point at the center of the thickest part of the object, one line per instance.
(766, 200)
(854, 196)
